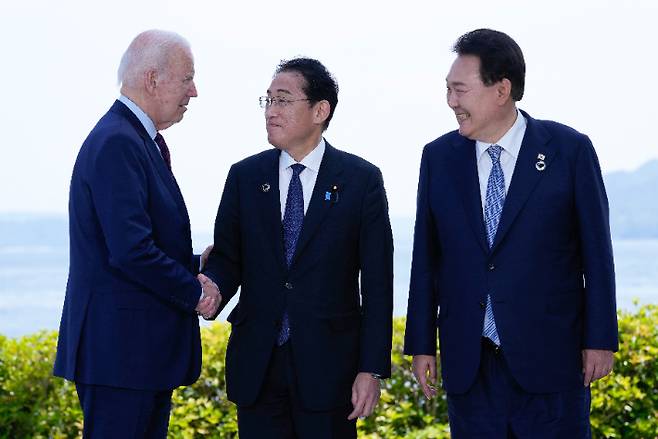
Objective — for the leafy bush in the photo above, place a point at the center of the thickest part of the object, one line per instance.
(36, 405)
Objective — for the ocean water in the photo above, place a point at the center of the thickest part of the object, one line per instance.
(33, 278)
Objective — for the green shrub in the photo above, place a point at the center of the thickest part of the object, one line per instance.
(625, 404)
(34, 404)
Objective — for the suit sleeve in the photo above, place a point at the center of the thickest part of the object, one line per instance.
(223, 265)
(376, 260)
(120, 192)
(420, 334)
(596, 252)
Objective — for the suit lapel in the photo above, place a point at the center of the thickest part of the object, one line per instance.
(270, 205)
(156, 159)
(526, 175)
(328, 176)
(466, 174)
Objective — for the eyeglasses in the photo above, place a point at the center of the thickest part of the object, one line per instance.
(266, 101)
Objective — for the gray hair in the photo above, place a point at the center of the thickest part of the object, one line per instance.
(150, 50)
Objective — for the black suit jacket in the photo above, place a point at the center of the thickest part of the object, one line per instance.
(338, 329)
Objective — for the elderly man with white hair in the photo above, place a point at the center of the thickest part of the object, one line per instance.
(129, 332)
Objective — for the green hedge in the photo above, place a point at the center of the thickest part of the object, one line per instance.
(34, 404)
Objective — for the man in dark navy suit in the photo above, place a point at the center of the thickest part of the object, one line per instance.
(512, 245)
(129, 332)
(303, 230)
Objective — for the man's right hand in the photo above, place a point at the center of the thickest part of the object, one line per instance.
(211, 298)
(424, 369)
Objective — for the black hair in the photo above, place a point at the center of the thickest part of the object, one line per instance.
(500, 57)
(320, 83)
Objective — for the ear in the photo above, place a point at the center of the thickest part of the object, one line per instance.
(321, 111)
(150, 81)
(503, 90)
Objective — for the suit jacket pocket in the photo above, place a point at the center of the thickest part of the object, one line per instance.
(564, 303)
(133, 299)
(237, 316)
(344, 322)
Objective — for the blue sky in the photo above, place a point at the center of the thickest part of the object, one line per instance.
(590, 64)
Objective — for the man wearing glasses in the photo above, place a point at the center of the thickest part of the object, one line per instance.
(303, 230)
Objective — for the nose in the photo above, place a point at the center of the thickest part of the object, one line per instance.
(270, 111)
(193, 93)
(452, 100)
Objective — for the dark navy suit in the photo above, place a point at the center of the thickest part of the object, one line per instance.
(550, 271)
(339, 326)
(128, 319)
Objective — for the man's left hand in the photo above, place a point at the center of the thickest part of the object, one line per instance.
(596, 364)
(365, 395)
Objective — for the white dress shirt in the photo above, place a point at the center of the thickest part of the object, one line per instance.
(308, 176)
(511, 145)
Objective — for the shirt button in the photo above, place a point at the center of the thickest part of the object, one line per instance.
(288, 286)
(492, 267)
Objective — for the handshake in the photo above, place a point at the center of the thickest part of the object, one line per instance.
(210, 299)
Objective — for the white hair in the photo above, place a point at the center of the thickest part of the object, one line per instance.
(150, 50)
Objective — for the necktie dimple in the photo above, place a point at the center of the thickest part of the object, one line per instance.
(164, 150)
(293, 218)
(493, 207)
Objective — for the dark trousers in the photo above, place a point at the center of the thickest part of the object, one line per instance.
(278, 413)
(112, 412)
(496, 407)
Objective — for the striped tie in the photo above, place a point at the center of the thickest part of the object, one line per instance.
(493, 206)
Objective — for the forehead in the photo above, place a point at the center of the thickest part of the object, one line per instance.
(181, 59)
(465, 70)
(291, 83)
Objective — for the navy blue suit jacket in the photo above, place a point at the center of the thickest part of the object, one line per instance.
(339, 326)
(550, 272)
(128, 318)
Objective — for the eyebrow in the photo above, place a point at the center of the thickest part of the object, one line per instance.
(281, 90)
(448, 81)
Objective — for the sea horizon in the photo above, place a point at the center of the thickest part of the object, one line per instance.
(33, 276)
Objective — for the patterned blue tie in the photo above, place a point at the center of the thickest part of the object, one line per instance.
(493, 206)
(293, 218)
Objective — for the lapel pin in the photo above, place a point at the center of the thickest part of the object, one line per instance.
(332, 194)
(541, 164)
(265, 187)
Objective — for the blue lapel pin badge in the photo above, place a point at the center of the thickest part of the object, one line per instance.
(332, 194)
(265, 187)
(541, 164)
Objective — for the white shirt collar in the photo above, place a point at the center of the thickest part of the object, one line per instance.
(312, 160)
(510, 142)
(146, 121)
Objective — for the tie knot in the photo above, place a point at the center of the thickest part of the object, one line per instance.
(297, 169)
(494, 152)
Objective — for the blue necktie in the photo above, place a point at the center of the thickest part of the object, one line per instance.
(493, 206)
(293, 218)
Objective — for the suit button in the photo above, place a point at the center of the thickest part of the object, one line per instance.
(483, 305)
(492, 267)
(288, 286)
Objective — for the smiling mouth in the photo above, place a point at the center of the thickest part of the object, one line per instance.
(462, 116)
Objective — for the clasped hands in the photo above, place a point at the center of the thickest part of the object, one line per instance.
(210, 299)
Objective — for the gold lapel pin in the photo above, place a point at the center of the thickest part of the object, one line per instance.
(265, 187)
